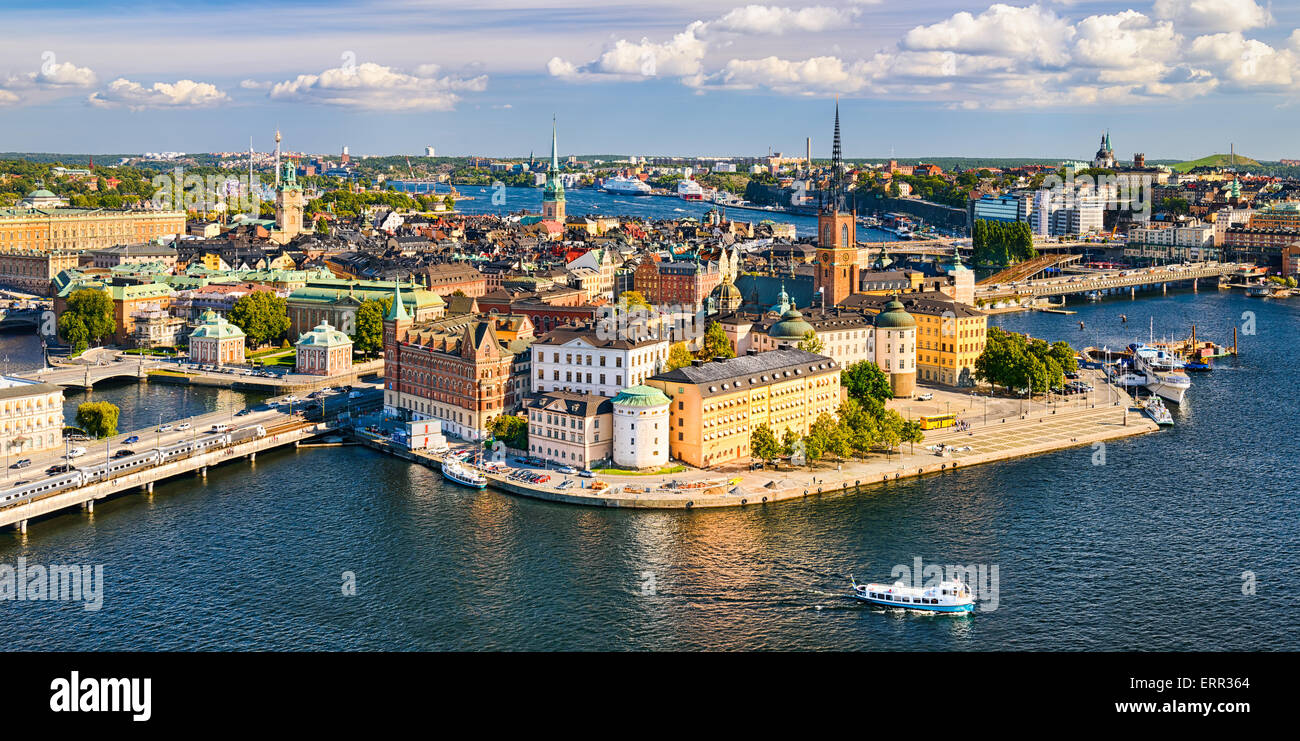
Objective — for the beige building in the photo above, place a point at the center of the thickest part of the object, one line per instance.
(31, 416)
(570, 429)
(216, 341)
(716, 405)
(46, 230)
(32, 271)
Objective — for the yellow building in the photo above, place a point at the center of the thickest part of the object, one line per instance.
(31, 416)
(32, 271)
(716, 405)
(950, 335)
(44, 230)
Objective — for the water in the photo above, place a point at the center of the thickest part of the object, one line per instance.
(588, 201)
(1145, 552)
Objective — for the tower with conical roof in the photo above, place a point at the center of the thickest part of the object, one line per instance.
(837, 266)
(396, 323)
(553, 193)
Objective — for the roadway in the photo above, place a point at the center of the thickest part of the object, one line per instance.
(1133, 277)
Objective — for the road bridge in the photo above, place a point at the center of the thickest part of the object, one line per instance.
(1106, 280)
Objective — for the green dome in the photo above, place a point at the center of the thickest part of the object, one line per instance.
(791, 327)
(641, 396)
(41, 193)
(895, 316)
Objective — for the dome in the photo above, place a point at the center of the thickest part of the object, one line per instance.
(726, 290)
(641, 396)
(323, 335)
(791, 327)
(895, 316)
(41, 193)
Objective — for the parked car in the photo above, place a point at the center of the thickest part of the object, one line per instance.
(587, 473)
(22, 463)
(567, 469)
(925, 397)
(183, 426)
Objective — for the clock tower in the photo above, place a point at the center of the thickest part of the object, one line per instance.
(837, 252)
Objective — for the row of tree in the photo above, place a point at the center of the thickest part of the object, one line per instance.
(1002, 242)
(860, 429)
(1014, 361)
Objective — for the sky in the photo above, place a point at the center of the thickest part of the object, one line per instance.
(1174, 79)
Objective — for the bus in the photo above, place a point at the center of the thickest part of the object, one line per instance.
(936, 421)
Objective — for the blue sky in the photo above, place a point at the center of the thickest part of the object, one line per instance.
(1171, 78)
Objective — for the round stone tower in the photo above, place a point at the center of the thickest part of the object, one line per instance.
(641, 427)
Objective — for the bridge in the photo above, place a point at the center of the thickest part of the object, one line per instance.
(86, 376)
(285, 424)
(20, 318)
(1107, 280)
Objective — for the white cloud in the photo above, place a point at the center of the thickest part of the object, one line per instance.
(678, 57)
(1246, 63)
(377, 87)
(49, 81)
(773, 20)
(1213, 15)
(1031, 33)
(180, 94)
(8, 98)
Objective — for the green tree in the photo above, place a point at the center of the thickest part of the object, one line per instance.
(512, 430)
(810, 343)
(97, 418)
(633, 299)
(679, 356)
(763, 444)
(788, 441)
(262, 315)
(716, 344)
(859, 421)
(368, 340)
(821, 436)
(322, 226)
(73, 331)
(865, 380)
(449, 202)
(95, 310)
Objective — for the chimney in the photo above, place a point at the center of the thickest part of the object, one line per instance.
(696, 363)
(751, 351)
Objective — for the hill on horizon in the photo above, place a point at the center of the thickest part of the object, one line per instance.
(1215, 160)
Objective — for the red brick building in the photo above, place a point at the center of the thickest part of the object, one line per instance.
(676, 282)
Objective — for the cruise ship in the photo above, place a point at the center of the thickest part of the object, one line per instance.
(689, 190)
(1164, 372)
(625, 186)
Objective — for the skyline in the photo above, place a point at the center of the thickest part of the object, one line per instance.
(392, 76)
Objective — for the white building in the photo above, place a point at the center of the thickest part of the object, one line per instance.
(575, 358)
(641, 428)
(603, 261)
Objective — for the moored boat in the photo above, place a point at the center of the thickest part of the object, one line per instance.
(1156, 410)
(453, 471)
(947, 596)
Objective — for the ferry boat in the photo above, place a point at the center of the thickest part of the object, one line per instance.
(948, 596)
(1156, 410)
(453, 471)
(1164, 371)
(689, 190)
(625, 186)
(1259, 290)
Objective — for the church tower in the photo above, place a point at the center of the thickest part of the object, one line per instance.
(289, 205)
(837, 272)
(553, 194)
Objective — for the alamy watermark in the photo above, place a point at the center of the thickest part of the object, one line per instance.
(25, 582)
(232, 194)
(1116, 193)
(675, 323)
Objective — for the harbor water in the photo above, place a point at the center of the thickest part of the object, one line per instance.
(1149, 549)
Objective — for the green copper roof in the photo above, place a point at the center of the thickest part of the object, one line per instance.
(791, 327)
(641, 396)
(215, 326)
(894, 316)
(396, 312)
(323, 336)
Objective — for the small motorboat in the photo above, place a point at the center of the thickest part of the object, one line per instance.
(455, 472)
(1199, 366)
(947, 596)
(1156, 410)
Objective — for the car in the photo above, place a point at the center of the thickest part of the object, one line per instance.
(587, 473)
(243, 412)
(567, 469)
(289, 399)
(756, 466)
(925, 397)
(123, 452)
(183, 426)
(564, 484)
(164, 428)
(354, 394)
(314, 395)
(22, 463)
(76, 452)
(131, 439)
(58, 468)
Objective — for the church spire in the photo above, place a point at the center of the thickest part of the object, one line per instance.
(835, 201)
(555, 159)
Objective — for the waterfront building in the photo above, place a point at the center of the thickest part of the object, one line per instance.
(32, 416)
(1004, 208)
(1277, 216)
(948, 336)
(216, 341)
(81, 229)
(717, 404)
(570, 429)
(131, 298)
(641, 427)
(156, 328)
(464, 380)
(33, 271)
(1258, 244)
(580, 358)
(324, 351)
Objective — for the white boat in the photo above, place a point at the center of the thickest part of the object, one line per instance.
(453, 471)
(689, 190)
(1155, 409)
(1164, 371)
(625, 186)
(947, 596)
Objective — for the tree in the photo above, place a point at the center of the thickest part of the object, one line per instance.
(449, 202)
(95, 310)
(788, 441)
(763, 444)
(97, 418)
(865, 380)
(810, 343)
(716, 344)
(262, 315)
(821, 436)
(512, 430)
(322, 226)
(369, 336)
(633, 299)
(74, 332)
(678, 356)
